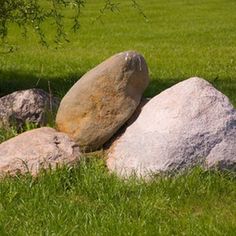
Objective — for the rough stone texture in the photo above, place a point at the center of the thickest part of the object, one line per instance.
(188, 124)
(32, 105)
(223, 155)
(132, 119)
(103, 100)
(36, 149)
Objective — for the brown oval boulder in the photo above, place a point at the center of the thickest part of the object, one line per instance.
(103, 100)
(37, 149)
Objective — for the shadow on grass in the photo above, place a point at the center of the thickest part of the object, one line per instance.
(156, 86)
(226, 86)
(11, 81)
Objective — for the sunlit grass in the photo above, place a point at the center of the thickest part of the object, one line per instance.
(180, 39)
(87, 200)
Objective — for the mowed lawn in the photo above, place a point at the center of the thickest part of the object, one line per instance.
(179, 39)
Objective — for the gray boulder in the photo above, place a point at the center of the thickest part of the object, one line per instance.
(188, 124)
(37, 149)
(32, 105)
(103, 100)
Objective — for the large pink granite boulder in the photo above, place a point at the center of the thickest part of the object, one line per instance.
(188, 124)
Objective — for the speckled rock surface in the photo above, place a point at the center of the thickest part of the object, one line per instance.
(103, 100)
(32, 105)
(186, 125)
(36, 149)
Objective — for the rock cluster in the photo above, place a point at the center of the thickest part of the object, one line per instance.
(186, 125)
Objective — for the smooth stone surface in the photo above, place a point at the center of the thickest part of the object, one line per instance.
(36, 149)
(103, 100)
(32, 105)
(186, 125)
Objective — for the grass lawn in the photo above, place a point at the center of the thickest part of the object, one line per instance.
(88, 201)
(182, 38)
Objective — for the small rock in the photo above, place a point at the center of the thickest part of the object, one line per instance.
(36, 149)
(188, 124)
(103, 100)
(32, 105)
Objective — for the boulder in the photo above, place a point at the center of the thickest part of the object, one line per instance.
(103, 100)
(32, 105)
(36, 149)
(135, 115)
(188, 124)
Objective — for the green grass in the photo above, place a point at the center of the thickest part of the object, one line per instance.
(86, 200)
(182, 38)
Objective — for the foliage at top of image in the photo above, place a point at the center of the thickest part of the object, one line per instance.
(33, 13)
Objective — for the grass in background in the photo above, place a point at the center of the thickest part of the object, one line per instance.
(181, 39)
